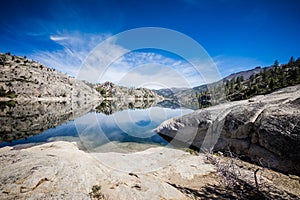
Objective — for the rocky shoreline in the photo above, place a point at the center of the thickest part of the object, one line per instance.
(59, 170)
(264, 129)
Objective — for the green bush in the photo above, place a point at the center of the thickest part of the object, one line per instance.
(11, 94)
(96, 192)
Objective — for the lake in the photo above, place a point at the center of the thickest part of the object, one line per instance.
(109, 126)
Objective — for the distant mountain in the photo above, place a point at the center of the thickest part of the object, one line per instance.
(180, 93)
(112, 91)
(246, 74)
(170, 93)
(192, 96)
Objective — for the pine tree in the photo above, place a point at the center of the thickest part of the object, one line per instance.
(276, 63)
(292, 60)
(252, 78)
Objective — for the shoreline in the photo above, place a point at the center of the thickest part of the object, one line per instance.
(60, 170)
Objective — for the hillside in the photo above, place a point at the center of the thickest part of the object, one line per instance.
(112, 91)
(246, 74)
(238, 86)
(190, 97)
(266, 81)
(22, 79)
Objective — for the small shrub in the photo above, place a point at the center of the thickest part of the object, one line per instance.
(11, 103)
(11, 94)
(191, 151)
(96, 192)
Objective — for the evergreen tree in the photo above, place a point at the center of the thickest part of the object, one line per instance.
(276, 63)
(268, 80)
(252, 78)
(242, 78)
(292, 60)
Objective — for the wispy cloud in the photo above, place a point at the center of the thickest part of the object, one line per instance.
(75, 47)
(79, 57)
(152, 70)
(58, 38)
(154, 76)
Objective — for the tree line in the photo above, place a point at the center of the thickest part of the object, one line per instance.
(266, 81)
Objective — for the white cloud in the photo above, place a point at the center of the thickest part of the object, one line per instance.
(90, 57)
(152, 70)
(75, 48)
(154, 76)
(111, 62)
(107, 53)
(57, 38)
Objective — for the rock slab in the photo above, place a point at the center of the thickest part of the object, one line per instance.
(264, 129)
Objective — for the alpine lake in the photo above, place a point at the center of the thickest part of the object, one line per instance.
(107, 126)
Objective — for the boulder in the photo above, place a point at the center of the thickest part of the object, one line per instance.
(264, 130)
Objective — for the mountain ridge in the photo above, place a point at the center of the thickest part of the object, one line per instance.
(239, 85)
(24, 79)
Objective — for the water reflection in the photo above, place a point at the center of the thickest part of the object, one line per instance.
(109, 107)
(30, 118)
(109, 124)
(127, 126)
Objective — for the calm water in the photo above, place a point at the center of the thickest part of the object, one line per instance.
(96, 131)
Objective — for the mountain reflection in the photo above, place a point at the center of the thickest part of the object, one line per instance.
(109, 107)
(21, 120)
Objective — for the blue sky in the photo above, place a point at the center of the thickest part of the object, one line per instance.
(238, 35)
